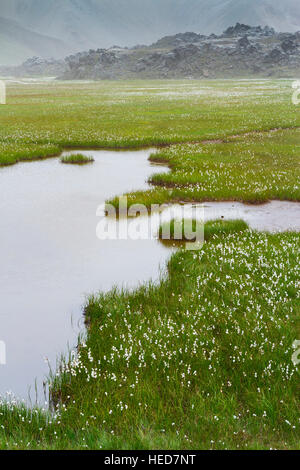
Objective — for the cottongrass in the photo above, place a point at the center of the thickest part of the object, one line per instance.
(200, 361)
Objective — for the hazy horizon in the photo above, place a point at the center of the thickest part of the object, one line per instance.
(60, 27)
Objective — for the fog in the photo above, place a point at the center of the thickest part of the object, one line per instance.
(67, 26)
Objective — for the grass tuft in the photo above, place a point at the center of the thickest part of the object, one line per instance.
(77, 159)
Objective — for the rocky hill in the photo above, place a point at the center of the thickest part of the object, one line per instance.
(241, 51)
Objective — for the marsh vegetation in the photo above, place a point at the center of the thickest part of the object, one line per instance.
(76, 159)
(201, 359)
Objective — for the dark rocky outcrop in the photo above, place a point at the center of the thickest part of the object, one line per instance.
(244, 29)
(274, 56)
(245, 46)
(289, 46)
(241, 51)
(178, 40)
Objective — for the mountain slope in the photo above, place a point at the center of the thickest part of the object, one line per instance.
(18, 43)
(84, 24)
(283, 16)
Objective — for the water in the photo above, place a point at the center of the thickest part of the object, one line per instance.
(275, 216)
(51, 258)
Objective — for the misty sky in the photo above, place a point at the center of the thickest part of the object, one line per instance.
(75, 25)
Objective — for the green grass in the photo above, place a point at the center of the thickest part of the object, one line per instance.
(252, 169)
(42, 120)
(200, 361)
(77, 159)
(132, 114)
(11, 153)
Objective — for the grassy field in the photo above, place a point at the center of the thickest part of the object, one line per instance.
(213, 160)
(203, 359)
(44, 118)
(254, 169)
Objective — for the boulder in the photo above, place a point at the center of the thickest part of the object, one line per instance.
(274, 56)
(244, 45)
(288, 46)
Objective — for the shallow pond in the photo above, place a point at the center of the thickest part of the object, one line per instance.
(51, 257)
